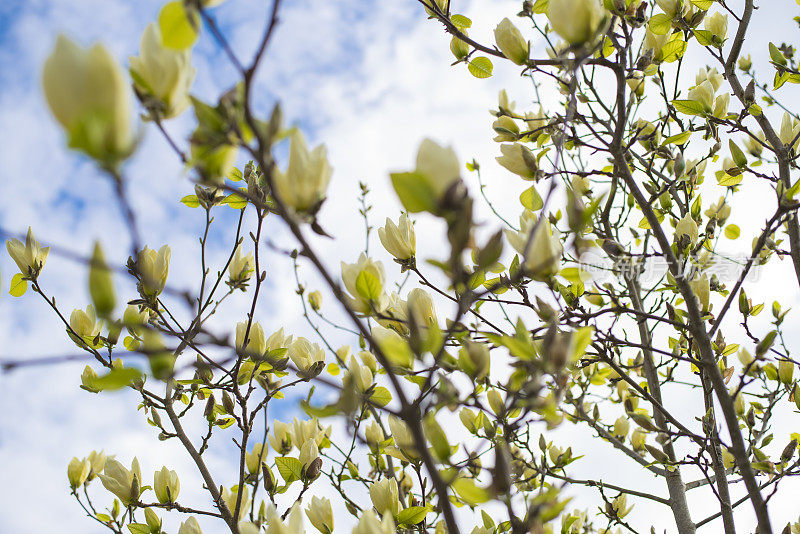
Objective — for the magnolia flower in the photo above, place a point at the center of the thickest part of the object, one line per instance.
(638, 439)
(421, 308)
(576, 21)
(162, 73)
(374, 434)
(153, 268)
(745, 63)
(360, 374)
(687, 227)
(241, 267)
(166, 485)
(703, 93)
(281, 437)
(655, 42)
(620, 506)
(320, 514)
(305, 355)
(753, 146)
(385, 496)
(719, 211)
(315, 300)
(403, 438)
(506, 129)
(256, 342)
(504, 105)
(98, 462)
(670, 7)
(439, 165)
(78, 472)
(511, 42)
(369, 524)
(519, 159)
(701, 288)
(88, 377)
(636, 83)
(459, 48)
(229, 497)
(214, 160)
(293, 525)
(29, 257)
(84, 326)
(621, 427)
(790, 128)
(536, 121)
(254, 458)
(711, 75)
(309, 429)
(544, 254)
(364, 281)
(721, 105)
(190, 526)
(717, 24)
(278, 340)
(474, 359)
(246, 527)
(124, 483)
(305, 182)
(399, 239)
(785, 371)
(395, 315)
(88, 94)
(308, 453)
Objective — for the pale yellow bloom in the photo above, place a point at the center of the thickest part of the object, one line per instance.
(154, 268)
(304, 184)
(30, 257)
(687, 227)
(790, 128)
(162, 73)
(293, 524)
(88, 94)
(576, 21)
(703, 93)
(166, 485)
(320, 513)
(711, 75)
(125, 484)
(364, 281)
(421, 308)
(370, 524)
(719, 211)
(190, 526)
(309, 429)
(256, 457)
(241, 267)
(701, 288)
(256, 342)
(281, 437)
(229, 497)
(384, 494)
(518, 159)
(621, 427)
(511, 42)
(305, 354)
(361, 375)
(98, 461)
(308, 453)
(544, 255)
(717, 24)
(439, 165)
(84, 325)
(78, 472)
(374, 434)
(399, 239)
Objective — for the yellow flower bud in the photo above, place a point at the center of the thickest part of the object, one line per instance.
(399, 239)
(785, 371)
(374, 435)
(402, 436)
(78, 472)
(255, 458)
(701, 288)
(511, 42)
(459, 48)
(745, 63)
(84, 327)
(230, 496)
(162, 74)
(576, 21)
(153, 269)
(256, 343)
(166, 485)
(717, 24)
(281, 437)
(88, 94)
(621, 427)
(688, 228)
(101, 287)
(370, 524)
(276, 525)
(305, 182)
(361, 374)
(88, 376)
(98, 461)
(496, 402)
(703, 93)
(364, 281)
(241, 267)
(439, 165)
(543, 257)
(190, 526)
(309, 452)
(306, 355)
(315, 300)
(125, 484)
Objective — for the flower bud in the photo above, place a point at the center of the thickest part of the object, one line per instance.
(439, 165)
(190, 526)
(241, 268)
(309, 453)
(374, 435)
(701, 288)
(717, 24)
(124, 483)
(166, 485)
(687, 229)
(256, 457)
(543, 257)
(305, 355)
(281, 437)
(785, 371)
(369, 524)
(511, 42)
(703, 93)
(87, 93)
(84, 327)
(78, 472)
(256, 344)
(403, 438)
(459, 48)
(518, 159)
(576, 21)
(230, 496)
(101, 287)
(745, 63)
(621, 427)
(315, 300)
(98, 462)
(474, 359)
(153, 271)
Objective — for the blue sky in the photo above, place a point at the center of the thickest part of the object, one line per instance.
(369, 79)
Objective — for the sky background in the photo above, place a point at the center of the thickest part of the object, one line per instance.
(370, 81)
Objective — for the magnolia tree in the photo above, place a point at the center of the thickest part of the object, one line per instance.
(632, 164)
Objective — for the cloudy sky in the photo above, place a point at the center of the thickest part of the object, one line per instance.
(369, 80)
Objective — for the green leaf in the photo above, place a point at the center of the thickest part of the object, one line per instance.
(704, 37)
(235, 201)
(470, 492)
(738, 156)
(581, 339)
(703, 4)
(412, 515)
(414, 191)
(461, 22)
(18, 286)
(677, 139)
(191, 201)
(235, 175)
(139, 528)
(531, 199)
(116, 379)
(319, 411)
(368, 285)
(178, 31)
(674, 49)
(381, 396)
(689, 107)
(726, 180)
(541, 6)
(289, 468)
(776, 55)
(660, 24)
(732, 231)
(480, 67)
